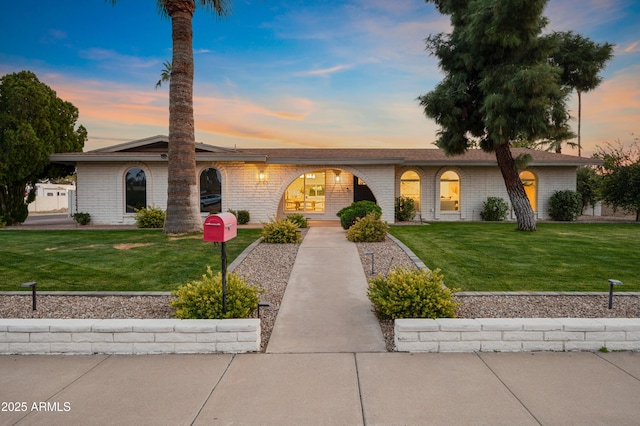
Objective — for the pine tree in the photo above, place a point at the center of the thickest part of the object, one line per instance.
(499, 85)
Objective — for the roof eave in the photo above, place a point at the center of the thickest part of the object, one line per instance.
(90, 157)
(335, 161)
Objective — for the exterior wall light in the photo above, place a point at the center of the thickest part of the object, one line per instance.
(262, 177)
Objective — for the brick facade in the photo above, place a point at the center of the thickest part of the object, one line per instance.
(101, 188)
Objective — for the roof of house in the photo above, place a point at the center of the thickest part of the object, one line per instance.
(154, 149)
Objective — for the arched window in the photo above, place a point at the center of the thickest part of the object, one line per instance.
(210, 191)
(135, 190)
(530, 187)
(449, 191)
(306, 193)
(410, 187)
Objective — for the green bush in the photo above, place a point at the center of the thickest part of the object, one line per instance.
(411, 293)
(405, 209)
(565, 205)
(588, 186)
(203, 299)
(368, 229)
(242, 216)
(494, 209)
(150, 217)
(298, 219)
(281, 231)
(2, 222)
(348, 215)
(82, 218)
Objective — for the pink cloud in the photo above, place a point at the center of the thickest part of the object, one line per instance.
(633, 47)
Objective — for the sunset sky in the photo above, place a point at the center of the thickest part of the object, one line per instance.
(287, 73)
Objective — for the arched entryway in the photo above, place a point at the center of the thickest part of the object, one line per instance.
(319, 194)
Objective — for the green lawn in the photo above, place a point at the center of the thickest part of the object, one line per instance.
(482, 256)
(99, 260)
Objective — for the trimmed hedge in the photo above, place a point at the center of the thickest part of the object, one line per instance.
(348, 215)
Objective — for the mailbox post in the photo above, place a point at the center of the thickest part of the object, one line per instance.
(220, 228)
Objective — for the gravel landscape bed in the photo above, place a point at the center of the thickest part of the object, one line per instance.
(268, 267)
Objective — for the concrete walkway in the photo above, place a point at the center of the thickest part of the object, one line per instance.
(325, 307)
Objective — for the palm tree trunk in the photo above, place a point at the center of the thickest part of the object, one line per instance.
(515, 189)
(579, 121)
(183, 208)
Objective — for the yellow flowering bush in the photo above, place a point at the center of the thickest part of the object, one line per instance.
(411, 293)
(202, 299)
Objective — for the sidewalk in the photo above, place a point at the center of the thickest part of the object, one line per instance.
(323, 389)
(323, 367)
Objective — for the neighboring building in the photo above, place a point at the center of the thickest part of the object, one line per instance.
(112, 182)
(51, 197)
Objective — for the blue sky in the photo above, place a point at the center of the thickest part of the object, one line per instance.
(287, 73)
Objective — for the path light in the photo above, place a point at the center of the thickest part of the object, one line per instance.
(370, 253)
(611, 284)
(262, 305)
(33, 285)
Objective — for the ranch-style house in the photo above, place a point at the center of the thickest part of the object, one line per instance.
(271, 183)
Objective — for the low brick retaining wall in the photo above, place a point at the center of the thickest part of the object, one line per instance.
(128, 336)
(517, 334)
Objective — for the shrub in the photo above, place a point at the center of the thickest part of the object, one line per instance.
(348, 215)
(368, 229)
(411, 293)
(587, 185)
(2, 222)
(242, 216)
(150, 217)
(281, 231)
(298, 219)
(203, 299)
(565, 205)
(494, 209)
(82, 218)
(405, 209)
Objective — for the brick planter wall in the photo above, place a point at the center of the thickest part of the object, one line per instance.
(128, 336)
(517, 334)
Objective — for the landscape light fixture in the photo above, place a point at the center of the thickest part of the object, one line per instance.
(33, 285)
(611, 284)
(372, 254)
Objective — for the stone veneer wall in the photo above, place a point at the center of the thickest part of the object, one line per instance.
(128, 336)
(517, 334)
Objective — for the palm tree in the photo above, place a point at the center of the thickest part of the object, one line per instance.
(165, 74)
(183, 206)
(581, 60)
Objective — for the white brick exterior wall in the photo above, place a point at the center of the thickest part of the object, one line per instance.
(101, 188)
(128, 336)
(517, 334)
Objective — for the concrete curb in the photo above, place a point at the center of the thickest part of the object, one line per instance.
(419, 263)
